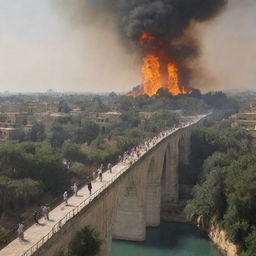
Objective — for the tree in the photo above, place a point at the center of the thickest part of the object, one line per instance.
(131, 118)
(37, 132)
(87, 242)
(163, 92)
(215, 99)
(86, 133)
(58, 135)
(72, 151)
(126, 103)
(18, 135)
(250, 243)
(63, 107)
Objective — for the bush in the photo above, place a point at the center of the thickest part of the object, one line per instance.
(78, 170)
(87, 242)
(72, 151)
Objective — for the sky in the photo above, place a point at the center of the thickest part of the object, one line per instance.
(40, 49)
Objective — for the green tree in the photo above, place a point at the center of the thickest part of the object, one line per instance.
(58, 135)
(87, 242)
(63, 107)
(86, 133)
(250, 243)
(37, 132)
(72, 151)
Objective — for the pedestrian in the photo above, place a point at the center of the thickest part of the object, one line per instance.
(20, 231)
(101, 167)
(45, 212)
(90, 187)
(35, 217)
(75, 189)
(100, 175)
(65, 197)
(110, 167)
(93, 175)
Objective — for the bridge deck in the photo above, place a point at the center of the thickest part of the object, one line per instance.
(37, 232)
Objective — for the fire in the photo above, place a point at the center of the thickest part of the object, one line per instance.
(151, 75)
(158, 73)
(146, 37)
(173, 81)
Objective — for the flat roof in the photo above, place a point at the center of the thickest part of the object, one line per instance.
(8, 128)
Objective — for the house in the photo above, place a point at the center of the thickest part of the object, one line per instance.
(246, 120)
(107, 120)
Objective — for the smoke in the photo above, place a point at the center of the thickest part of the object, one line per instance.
(170, 21)
(228, 53)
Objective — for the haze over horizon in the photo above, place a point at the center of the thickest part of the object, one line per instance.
(40, 50)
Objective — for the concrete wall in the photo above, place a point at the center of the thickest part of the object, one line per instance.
(133, 201)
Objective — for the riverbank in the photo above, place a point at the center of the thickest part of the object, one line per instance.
(221, 241)
(174, 213)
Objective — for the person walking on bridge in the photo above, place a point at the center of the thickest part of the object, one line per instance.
(90, 187)
(110, 167)
(94, 175)
(45, 212)
(100, 175)
(20, 231)
(35, 217)
(65, 197)
(75, 189)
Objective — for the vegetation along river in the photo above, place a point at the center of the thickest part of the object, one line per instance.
(170, 239)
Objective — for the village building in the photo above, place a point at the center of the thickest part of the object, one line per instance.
(246, 120)
(8, 135)
(107, 120)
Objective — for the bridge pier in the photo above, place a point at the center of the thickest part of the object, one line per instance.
(185, 147)
(170, 183)
(153, 192)
(130, 223)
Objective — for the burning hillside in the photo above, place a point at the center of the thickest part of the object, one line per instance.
(159, 70)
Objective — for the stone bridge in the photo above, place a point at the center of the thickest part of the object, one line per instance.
(129, 201)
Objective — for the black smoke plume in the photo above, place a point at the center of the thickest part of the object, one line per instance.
(168, 20)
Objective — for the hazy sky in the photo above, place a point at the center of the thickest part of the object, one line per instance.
(40, 50)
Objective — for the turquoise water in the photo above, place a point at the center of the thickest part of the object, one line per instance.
(170, 239)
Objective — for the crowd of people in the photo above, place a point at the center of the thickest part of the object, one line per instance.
(129, 157)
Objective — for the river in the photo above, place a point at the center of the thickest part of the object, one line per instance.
(170, 239)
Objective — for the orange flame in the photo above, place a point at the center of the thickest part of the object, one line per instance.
(146, 37)
(173, 81)
(151, 75)
(157, 74)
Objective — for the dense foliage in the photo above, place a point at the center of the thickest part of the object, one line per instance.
(28, 170)
(227, 190)
(86, 242)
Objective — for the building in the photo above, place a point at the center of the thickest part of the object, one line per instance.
(107, 120)
(246, 120)
(12, 119)
(8, 135)
(29, 107)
